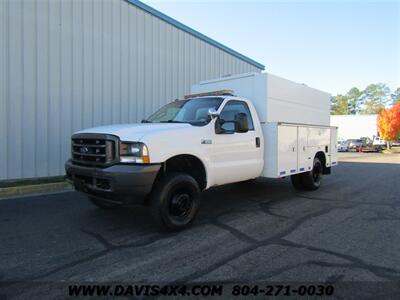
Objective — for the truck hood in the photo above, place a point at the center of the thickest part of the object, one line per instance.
(134, 132)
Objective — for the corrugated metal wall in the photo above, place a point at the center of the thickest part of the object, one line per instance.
(68, 65)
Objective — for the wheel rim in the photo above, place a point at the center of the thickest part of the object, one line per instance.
(317, 173)
(180, 205)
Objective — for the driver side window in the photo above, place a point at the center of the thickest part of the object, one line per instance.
(234, 107)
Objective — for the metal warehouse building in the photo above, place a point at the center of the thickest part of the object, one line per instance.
(67, 65)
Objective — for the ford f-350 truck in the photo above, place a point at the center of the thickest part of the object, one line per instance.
(233, 129)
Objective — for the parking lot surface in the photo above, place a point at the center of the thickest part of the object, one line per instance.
(348, 230)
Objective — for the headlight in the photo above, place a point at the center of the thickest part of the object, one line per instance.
(133, 153)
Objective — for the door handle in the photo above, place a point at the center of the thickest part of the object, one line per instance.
(258, 142)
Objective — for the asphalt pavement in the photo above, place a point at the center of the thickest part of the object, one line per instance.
(262, 231)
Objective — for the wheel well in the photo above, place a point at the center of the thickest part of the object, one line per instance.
(321, 156)
(188, 164)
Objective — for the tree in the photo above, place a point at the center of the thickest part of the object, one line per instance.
(339, 105)
(396, 96)
(354, 100)
(389, 123)
(371, 100)
(376, 97)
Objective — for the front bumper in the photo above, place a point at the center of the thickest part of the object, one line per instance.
(125, 184)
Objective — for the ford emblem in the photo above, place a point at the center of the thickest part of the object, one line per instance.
(84, 150)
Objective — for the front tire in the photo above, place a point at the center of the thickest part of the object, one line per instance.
(175, 201)
(312, 180)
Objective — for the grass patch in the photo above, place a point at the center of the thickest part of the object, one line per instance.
(30, 181)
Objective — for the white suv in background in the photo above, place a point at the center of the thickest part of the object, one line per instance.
(342, 146)
(379, 143)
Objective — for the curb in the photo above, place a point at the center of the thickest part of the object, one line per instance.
(24, 190)
(391, 152)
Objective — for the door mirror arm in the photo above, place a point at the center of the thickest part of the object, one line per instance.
(212, 112)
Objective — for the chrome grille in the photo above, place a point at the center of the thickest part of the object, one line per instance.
(93, 149)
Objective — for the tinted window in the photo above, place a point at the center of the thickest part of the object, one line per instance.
(232, 108)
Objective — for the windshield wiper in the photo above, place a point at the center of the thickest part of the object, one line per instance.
(172, 121)
(146, 121)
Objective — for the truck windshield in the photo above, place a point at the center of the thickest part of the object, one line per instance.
(192, 111)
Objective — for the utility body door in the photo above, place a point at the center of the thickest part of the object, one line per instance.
(304, 162)
(287, 150)
(333, 150)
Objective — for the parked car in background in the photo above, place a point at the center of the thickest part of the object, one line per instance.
(379, 144)
(396, 143)
(354, 144)
(375, 145)
(342, 146)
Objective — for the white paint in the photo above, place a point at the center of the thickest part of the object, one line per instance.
(291, 148)
(285, 149)
(294, 120)
(229, 157)
(276, 99)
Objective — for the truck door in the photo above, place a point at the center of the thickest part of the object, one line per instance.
(236, 156)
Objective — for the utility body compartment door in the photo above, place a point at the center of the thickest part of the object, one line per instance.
(333, 150)
(304, 162)
(287, 150)
(285, 146)
(291, 148)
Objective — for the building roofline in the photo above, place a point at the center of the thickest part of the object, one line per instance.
(193, 32)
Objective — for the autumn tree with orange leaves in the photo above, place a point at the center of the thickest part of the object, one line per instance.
(389, 123)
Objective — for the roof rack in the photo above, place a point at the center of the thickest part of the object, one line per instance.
(213, 93)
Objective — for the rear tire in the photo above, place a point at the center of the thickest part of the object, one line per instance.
(103, 204)
(175, 201)
(312, 180)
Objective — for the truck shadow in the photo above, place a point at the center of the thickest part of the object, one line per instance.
(215, 201)
(348, 183)
(241, 194)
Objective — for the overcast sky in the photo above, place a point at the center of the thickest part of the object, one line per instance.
(331, 45)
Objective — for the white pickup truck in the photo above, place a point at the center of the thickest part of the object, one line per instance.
(264, 126)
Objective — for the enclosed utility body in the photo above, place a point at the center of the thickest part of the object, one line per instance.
(294, 119)
(276, 99)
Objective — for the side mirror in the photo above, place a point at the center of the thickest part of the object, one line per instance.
(212, 112)
(242, 123)
(228, 127)
(225, 127)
